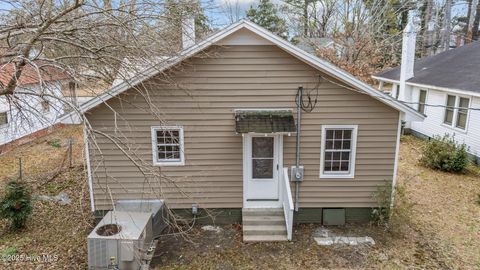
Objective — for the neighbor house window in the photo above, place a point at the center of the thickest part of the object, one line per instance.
(167, 145)
(3, 118)
(422, 99)
(45, 105)
(449, 110)
(397, 91)
(456, 111)
(338, 151)
(462, 112)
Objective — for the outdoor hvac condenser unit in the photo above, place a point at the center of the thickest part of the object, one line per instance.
(156, 208)
(120, 241)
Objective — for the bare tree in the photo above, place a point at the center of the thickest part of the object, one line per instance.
(96, 43)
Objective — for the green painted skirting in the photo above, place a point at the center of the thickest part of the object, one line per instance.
(212, 216)
(234, 215)
(314, 215)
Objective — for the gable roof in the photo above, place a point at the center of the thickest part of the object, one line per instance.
(456, 69)
(32, 74)
(312, 60)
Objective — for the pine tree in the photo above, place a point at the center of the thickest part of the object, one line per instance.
(265, 15)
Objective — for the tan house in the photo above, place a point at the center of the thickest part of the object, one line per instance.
(215, 128)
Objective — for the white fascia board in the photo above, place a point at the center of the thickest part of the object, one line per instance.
(451, 90)
(420, 85)
(285, 45)
(385, 79)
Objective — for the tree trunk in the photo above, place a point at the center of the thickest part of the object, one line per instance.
(472, 8)
(447, 25)
(476, 23)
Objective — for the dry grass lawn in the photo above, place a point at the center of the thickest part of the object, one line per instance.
(436, 224)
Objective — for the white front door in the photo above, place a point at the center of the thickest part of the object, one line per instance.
(262, 163)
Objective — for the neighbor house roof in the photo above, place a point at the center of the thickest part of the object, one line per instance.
(309, 59)
(32, 74)
(457, 69)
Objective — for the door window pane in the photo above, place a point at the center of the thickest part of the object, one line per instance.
(262, 168)
(262, 147)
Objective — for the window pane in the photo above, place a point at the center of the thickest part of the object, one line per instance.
(338, 134)
(336, 155)
(345, 156)
(344, 166)
(461, 120)
(448, 116)
(262, 147)
(337, 144)
(262, 168)
(421, 100)
(347, 134)
(335, 166)
(451, 101)
(421, 108)
(327, 167)
(463, 103)
(328, 155)
(3, 118)
(329, 134)
(329, 144)
(346, 145)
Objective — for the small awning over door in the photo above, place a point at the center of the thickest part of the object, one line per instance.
(264, 121)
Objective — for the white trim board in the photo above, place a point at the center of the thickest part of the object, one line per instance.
(309, 59)
(419, 85)
(89, 169)
(353, 152)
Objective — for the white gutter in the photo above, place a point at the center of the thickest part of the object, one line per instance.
(453, 90)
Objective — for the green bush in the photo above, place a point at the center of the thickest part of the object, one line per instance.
(16, 204)
(445, 154)
(383, 196)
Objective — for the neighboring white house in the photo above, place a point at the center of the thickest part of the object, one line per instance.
(37, 103)
(445, 87)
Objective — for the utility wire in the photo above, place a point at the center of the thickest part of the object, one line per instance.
(390, 98)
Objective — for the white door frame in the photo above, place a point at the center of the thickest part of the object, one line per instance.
(247, 169)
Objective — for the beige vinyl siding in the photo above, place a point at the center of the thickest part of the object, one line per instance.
(207, 91)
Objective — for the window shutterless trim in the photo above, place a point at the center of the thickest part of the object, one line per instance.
(353, 145)
(6, 119)
(155, 160)
(453, 124)
(420, 103)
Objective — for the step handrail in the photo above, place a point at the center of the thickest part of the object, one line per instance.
(287, 202)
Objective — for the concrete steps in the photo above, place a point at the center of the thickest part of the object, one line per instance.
(263, 225)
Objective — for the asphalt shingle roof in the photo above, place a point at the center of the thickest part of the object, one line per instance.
(264, 121)
(456, 69)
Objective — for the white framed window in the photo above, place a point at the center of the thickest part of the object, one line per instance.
(168, 146)
(45, 105)
(3, 118)
(397, 91)
(456, 112)
(338, 149)
(422, 99)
